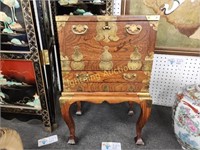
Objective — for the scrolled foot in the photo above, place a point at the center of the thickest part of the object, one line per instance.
(130, 112)
(139, 141)
(79, 113)
(72, 141)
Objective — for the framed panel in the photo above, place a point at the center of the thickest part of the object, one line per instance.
(18, 85)
(179, 26)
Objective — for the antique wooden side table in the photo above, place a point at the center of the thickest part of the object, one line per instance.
(106, 58)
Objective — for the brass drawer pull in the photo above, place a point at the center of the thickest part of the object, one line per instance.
(82, 77)
(133, 29)
(106, 27)
(79, 29)
(129, 76)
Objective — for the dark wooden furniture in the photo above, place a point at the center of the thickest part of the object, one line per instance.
(106, 58)
(29, 68)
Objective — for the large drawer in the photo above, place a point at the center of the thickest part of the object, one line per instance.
(106, 87)
(118, 40)
(114, 76)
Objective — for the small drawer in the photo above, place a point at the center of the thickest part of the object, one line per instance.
(105, 87)
(114, 76)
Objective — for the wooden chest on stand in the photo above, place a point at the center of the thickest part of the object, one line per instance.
(106, 58)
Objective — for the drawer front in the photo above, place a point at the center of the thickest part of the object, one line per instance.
(115, 76)
(106, 87)
(83, 41)
(68, 65)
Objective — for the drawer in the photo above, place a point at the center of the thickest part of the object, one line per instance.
(106, 87)
(114, 76)
(67, 65)
(94, 43)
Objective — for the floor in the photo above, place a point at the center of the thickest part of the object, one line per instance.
(100, 123)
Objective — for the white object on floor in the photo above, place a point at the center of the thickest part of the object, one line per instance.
(47, 140)
(110, 146)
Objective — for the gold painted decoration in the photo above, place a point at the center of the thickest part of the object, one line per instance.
(130, 76)
(135, 62)
(106, 60)
(133, 29)
(77, 56)
(106, 31)
(79, 29)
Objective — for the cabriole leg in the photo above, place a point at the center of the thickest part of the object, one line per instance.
(65, 109)
(144, 116)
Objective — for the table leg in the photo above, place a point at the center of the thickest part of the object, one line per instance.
(144, 116)
(130, 112)
(78, 112)
(66, 114)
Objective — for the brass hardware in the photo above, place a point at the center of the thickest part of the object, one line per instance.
(82, 77)
(154, 25)
(135, 62)
(65, 62)
(106, 18)
(60, 25)
(106, 32)
(106, 60)
(148, 74)
(153, 17)
(144, 96)
(45, 57)
(130, 76)
(62, 18)
(133, 29)
(77, 56)
(106, 27)
(79, 29)
(131, 89)
(148, 62)
(145, 88)
(105, 88)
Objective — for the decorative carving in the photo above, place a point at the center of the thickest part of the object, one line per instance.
(106, 31)
(135, 62)
(148, 62)
(133, 29)
(77, 56)
(106, 60)
(130, 76)
(79, 29)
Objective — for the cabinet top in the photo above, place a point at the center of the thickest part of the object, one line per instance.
(64, 18)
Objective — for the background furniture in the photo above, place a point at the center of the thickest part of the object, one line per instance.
(29, 66)
(102, 54)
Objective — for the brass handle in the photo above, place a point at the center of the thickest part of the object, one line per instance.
(129, 76)
(79, 29)
(82, 77)
(133, 29)
(106, 27)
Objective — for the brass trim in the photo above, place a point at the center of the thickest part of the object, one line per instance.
(153, 17)
(129, 76)
(45, 57)
(62, 18)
